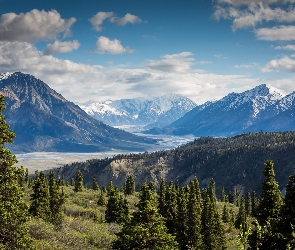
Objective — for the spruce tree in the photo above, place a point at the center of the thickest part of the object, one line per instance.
(101, 199)
(213, 231)
(182, 221)
(95, 184)
(194, 212)
(13, 210)
(270, 199)
(40, 206)
(248, 204)
(79, 187)
(146, 229)
(57, 200)
(161, 197)
(241, 221)
(129, 185)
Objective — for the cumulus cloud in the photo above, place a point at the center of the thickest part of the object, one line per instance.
(98, 19)
(173, 63)
(278, 33)
(61, 47)
(286, 47)
(34, 26)
(128, 18)
(250, 13)
(105, 45)
(81, 82)
(283, 64)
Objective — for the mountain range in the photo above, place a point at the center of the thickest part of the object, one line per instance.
(149, 112)
(44, 120)
(263, 108)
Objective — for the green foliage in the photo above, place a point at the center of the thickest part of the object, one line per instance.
(13, 210)
(40, 206)
(95, 184)
(129, 185)
(146, 229)
(79, 186)
(101, 199)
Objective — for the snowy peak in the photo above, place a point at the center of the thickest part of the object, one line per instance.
(159, 111)
(5, 75)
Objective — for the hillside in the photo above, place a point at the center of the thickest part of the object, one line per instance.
(44, 120)
(236, 161)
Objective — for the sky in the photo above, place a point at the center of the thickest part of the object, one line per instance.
(119, 49)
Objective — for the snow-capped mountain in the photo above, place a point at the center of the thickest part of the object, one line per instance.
(44, 120)
(157, 111)
(237, 113)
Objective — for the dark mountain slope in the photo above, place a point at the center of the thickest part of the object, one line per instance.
(236, 161)
(44, 120)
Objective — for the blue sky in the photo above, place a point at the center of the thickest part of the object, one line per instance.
(98, 50)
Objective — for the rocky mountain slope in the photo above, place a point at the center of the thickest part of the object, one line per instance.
(232, 162)
(44, 120)
(261, 108)
(153, 112)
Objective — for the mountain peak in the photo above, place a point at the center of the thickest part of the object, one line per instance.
(5, 75)
(265, 89)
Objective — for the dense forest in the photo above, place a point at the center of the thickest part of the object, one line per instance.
(49, 212)
(232, 162)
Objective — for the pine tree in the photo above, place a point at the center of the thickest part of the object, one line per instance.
(13, 210)
(79, 187)
(129, 185)
(225, 214)
(223, 196)
(270, 199)
(57, 200)
(40, 198)
(254, 203)
(213, 231)
(117, 208)
(161, 197)
(248, 204)
(241, 221)
(101, 199)
(287, 221)
(95, 184)
(182, 220)
(194, 212)
(146, 229)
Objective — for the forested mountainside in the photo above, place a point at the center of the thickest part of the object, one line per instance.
(232, 162)
(44, 120)
(261, 108)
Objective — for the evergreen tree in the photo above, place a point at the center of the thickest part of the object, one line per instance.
(248, 204)
(95, 184)
(223, 196)
(213, 231)
(129, 185)
(101, 199)
(13, 210)
(254, 203)
(241, 221)
(270, 199)
(194, 212)
(225, 214)
(182, 220)
(57, 200)
(117, 208)
(161, 197)
(79, 187)
(287, 221)
(146, 229)
(40, 198)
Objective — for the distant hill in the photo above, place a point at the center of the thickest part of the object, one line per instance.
(263, 108)
(44, 120)
(232, 162)
(150, 112)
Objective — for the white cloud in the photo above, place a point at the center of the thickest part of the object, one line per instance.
(61, 47)
(128, 18)
(254, 13)
(105, 45)
(172, 63)
(98, 19)
(280, 33)
(283, 64)
(34, 26)
(80, 82)
(286, 47)
(246, 66)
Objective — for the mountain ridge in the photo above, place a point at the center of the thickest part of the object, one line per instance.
(44, 120)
